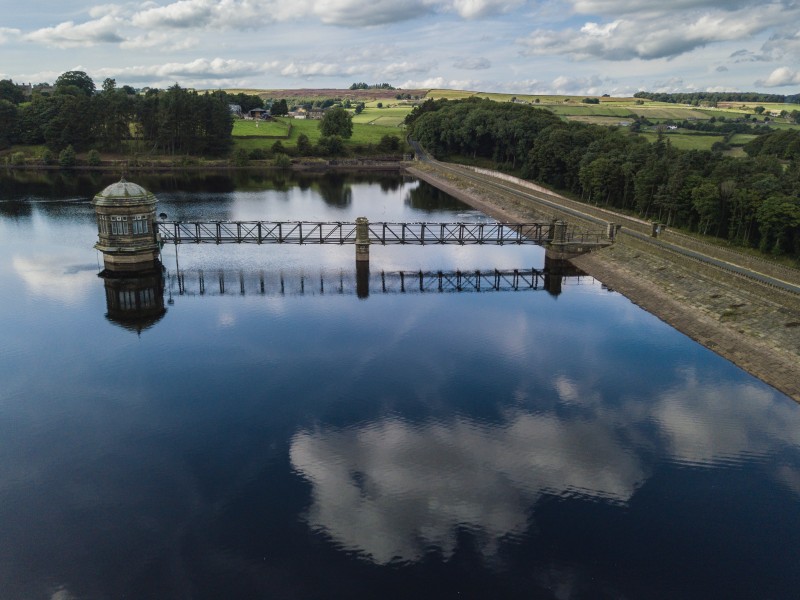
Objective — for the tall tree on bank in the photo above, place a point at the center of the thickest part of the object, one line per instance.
(337, 121)
(75, 79)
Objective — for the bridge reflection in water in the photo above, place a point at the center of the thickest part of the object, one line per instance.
(363, 282)
(135, 299)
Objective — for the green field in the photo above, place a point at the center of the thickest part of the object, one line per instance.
(595, 120)
(274, 128)
(498, 97)
(687, 142)
(740, 139)
(590, 110)
(392, 116)
(363, 134)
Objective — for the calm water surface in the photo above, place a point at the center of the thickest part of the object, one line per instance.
(313, 442)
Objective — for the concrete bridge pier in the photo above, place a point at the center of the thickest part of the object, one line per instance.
(362, 240)
(362, 257)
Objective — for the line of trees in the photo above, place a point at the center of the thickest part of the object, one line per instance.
(752, 201)
(360, 85)
(173, 121)
(714, 97)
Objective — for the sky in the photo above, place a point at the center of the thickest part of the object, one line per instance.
(589, 47)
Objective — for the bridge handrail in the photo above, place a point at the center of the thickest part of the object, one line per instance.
(379, 232)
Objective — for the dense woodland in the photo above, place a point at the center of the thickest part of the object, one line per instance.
(172, 121)
(751, 201)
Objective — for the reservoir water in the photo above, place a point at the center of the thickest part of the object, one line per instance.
(267, 431)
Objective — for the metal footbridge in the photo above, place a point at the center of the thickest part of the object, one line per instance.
(383, 233)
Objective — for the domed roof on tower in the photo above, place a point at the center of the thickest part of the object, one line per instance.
(123, 192)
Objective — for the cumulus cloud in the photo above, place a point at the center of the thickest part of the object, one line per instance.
(215, 69)
(658, 34)
(162, 40)
(105, 20)
(593, 85)
(249, 14)
(784, 43)
(473, 9)
(178, 15)
(71, 35)
(782, 76)
(314, 69)
(475, 63)
(616, 7)
(357, 13)
(440, 83)
(401, 69)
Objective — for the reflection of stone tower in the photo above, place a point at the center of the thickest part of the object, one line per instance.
(135, 299)
(126, 224)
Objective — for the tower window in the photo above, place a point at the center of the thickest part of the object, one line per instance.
(119, 225)
(140, 224)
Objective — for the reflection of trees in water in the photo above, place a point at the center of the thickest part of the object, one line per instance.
(15, 209)
(335, 190)
(428, 198)
(22, 185)
(390, 185)
(333, 186)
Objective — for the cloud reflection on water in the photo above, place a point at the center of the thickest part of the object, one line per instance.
(393, 489)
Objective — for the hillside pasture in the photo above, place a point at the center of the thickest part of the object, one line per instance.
(272, 128)
(684, 141)
(590, 110)
(300, 96)
(392, 116)
(740, 139)
(598, 120)
(363, 134)
(768, 106)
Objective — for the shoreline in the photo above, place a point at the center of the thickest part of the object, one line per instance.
(754, 327)
(300, 165)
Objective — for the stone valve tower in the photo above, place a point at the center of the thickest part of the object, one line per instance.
(126, 225)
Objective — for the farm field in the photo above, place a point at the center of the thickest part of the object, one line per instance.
(608, 112)
(623, 107)
(740, 139)
(363, 134)
(392, 116)
(589, 110)
(687, 142)
(312, 94)
(274, 128)
(597, 120)
(768, 106)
